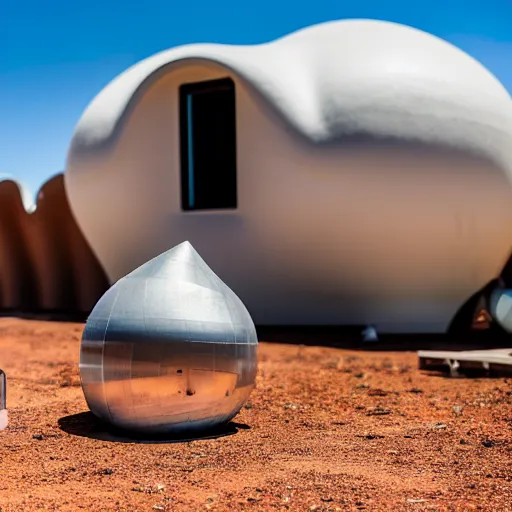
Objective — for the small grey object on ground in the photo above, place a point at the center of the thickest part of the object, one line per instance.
(370, 334)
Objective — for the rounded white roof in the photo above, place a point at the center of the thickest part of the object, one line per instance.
(350, 77)
(372, 47)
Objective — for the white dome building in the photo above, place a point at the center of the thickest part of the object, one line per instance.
(354, 172)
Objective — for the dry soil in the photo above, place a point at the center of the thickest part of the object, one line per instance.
(325, 429)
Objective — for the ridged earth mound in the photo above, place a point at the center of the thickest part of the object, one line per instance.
(46, 265)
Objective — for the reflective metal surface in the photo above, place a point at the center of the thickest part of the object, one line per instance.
(3, 390)
(3, 401)
(500, 307)
(168, 348)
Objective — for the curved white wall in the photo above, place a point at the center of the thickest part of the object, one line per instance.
(344, 229)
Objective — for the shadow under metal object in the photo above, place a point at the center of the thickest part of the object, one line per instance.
(169, 348)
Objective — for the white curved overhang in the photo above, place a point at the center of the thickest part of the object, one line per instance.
(335, 80)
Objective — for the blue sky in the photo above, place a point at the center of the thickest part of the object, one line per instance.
(56, 56)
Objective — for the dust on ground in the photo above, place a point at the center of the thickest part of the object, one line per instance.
(325, 429)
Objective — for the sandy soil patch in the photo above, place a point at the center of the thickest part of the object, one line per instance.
(326, 429)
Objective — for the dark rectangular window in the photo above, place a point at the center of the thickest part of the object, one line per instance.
(208, 145)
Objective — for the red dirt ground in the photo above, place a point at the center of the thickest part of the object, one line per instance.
(326, 429)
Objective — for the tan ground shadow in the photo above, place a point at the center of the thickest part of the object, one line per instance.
(85, 424)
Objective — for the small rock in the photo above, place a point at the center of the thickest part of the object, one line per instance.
(377, 392)
(488, 443)
(416, 391)
(371, 436)
(415, 501)
(39, 437)
(378, 411)
(457, 409)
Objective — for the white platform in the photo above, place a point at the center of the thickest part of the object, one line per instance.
(488, 360)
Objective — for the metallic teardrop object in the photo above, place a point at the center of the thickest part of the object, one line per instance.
(169, 348)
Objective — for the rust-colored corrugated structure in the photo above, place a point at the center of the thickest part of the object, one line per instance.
(46, 264)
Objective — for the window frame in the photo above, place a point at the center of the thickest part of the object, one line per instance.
(185, 92)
